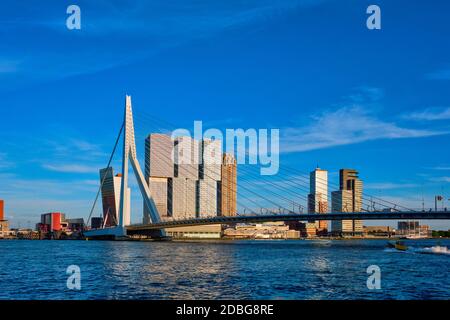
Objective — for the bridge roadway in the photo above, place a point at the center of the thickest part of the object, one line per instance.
(405, 215)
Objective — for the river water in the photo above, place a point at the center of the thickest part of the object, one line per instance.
(221, 270)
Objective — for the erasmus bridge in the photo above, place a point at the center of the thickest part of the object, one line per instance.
(272, 193)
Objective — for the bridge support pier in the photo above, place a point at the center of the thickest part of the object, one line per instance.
(114, 233)
(154, 234)
(121, 234)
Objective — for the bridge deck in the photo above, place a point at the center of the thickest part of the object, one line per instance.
(410, 215)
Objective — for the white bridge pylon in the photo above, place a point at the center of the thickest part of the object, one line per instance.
(129, 156)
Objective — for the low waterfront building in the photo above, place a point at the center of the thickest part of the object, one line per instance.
(25, 234)
(308, 229)
(96, 222)
(55, 224)
(4, 225)
(4, 229)
(213, 231)
(76, 225)
(268, 230)
(378, 231)
(2, 210)
(412, 229)
(52, 222)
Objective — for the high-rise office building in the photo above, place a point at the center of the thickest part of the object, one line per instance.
(186, 158)
(172, 172)
(176, 197)
(111, 198)
(159, 191)
(348, 199)
(181, 198)
(182, 188)
(341, 201)
(159, 167)
(227, 187)
(159, 155)
(211, 159)
(206, 204)
(210, 174)
(182, 175)
(191, 199)
(318, 197)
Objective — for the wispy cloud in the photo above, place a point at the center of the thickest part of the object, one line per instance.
(74, 147)
(440, 179)
(430, 114)
(366, 94)
(85, 157)
(344, 126)
(389, 185)
(26, 198)
(70, 188)
(8, 66)
(443, 74)
(442, 168)
(4, 162)
(71, 168)
(35, 188)
(186, 20)
(147, 27)
(83, 145)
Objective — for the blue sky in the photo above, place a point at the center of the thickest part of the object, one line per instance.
(342, 95)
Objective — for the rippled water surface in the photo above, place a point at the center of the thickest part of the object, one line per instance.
(221, 270)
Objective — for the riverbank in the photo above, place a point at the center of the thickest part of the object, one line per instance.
(221, 240)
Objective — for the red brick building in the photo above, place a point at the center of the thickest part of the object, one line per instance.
(2, 208)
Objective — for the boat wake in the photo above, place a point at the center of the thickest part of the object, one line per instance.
(425, 250)
(407, 251)
(433, 250)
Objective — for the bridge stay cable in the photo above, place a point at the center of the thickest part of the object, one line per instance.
(169, 159)
(165, 158)
(170, 125)
(364, 197)
(168, 130)
(287, 180)
(104, 176)
(304, 176)
(292, 184)
(247, 189)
